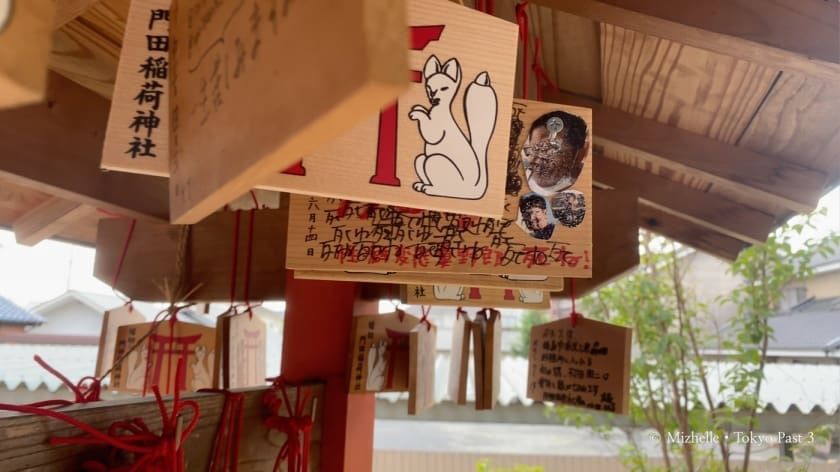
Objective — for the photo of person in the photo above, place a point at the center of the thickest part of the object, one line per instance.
(554, 152)
(535, 216)
(569, 208)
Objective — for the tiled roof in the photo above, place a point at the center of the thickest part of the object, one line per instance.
(19, 369)
(11, 314)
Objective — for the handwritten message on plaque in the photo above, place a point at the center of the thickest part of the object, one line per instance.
(546, 230)
(442, 146)
(256, 84)
(587, 366)
(473, 280)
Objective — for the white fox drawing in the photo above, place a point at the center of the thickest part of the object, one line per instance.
(449, 292)
(453, 165)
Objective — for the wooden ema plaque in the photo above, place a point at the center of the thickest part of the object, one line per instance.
(545, 231)
(256, 84)
(587, 366)
(26, 29)
(240, 344)
(459, 358)
(554, 284)
(111, 322)
(459, 295)
(151, 256)
(380, 355)
(442, 145)
(160, 352)
(137, 137)
(487, 356)
(421, 367)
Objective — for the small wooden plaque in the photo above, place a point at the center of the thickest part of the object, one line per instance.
(459, 295)
(111, 322)
(422, 359)
(258, 84)
(554, 284)
(587, 366)
(240, 344)
(487, 353)
(160, 352)
(459, 359)
(137, 137)
(380, 356)
(442, 146)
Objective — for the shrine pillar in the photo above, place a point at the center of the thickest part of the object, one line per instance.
(316, 345)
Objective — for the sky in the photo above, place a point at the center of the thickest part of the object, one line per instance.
(30, 275)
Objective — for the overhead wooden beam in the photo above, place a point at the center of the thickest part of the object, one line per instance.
(615, 248)
(68, 10)
(730, 167)
(56, 146)
(87, 42)
(792, 35)
(704, 209)
(47, 220)
(688, 233)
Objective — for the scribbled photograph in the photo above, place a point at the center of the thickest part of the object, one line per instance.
(554, 152)
(569, 208)
(536, 216)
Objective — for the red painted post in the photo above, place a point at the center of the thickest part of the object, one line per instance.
(316, 345)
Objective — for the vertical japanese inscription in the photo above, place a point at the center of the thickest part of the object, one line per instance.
(586, 366)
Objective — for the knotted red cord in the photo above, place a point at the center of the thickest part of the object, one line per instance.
(522, 20)
(154, 453)
(229, 434)
(425, 310)
(296, 425)
(539, 72)
(574, 316)
(83, 392)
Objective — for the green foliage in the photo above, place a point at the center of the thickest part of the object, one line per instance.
(530, 319)
(485, 466)
(669, 388)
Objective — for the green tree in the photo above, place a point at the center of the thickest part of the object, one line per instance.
(529, 319)
(670, 391)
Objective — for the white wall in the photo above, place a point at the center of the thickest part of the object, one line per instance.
(70, 319)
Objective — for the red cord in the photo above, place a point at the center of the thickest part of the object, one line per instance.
(234, 257)
(226, 444)
(574, 316)
(485, 6)
(296, 424)
(425, 318)
(123, 253)
(539, 72)
(522, 20)
(84, 393)
(163, 452)
(248, 253)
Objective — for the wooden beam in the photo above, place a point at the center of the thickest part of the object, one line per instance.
(68, 10)
(86, 47)
(47, 220)
(685, 232)
(792, 35)
(25, 444)
(729, 167)
(55, 147)
(705, 209)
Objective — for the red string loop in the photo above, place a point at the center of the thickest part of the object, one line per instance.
(153, 452)
(234, 257)
(522, 21)
(295, 424)
(486, 6)
(425, 310)
(87, 390)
